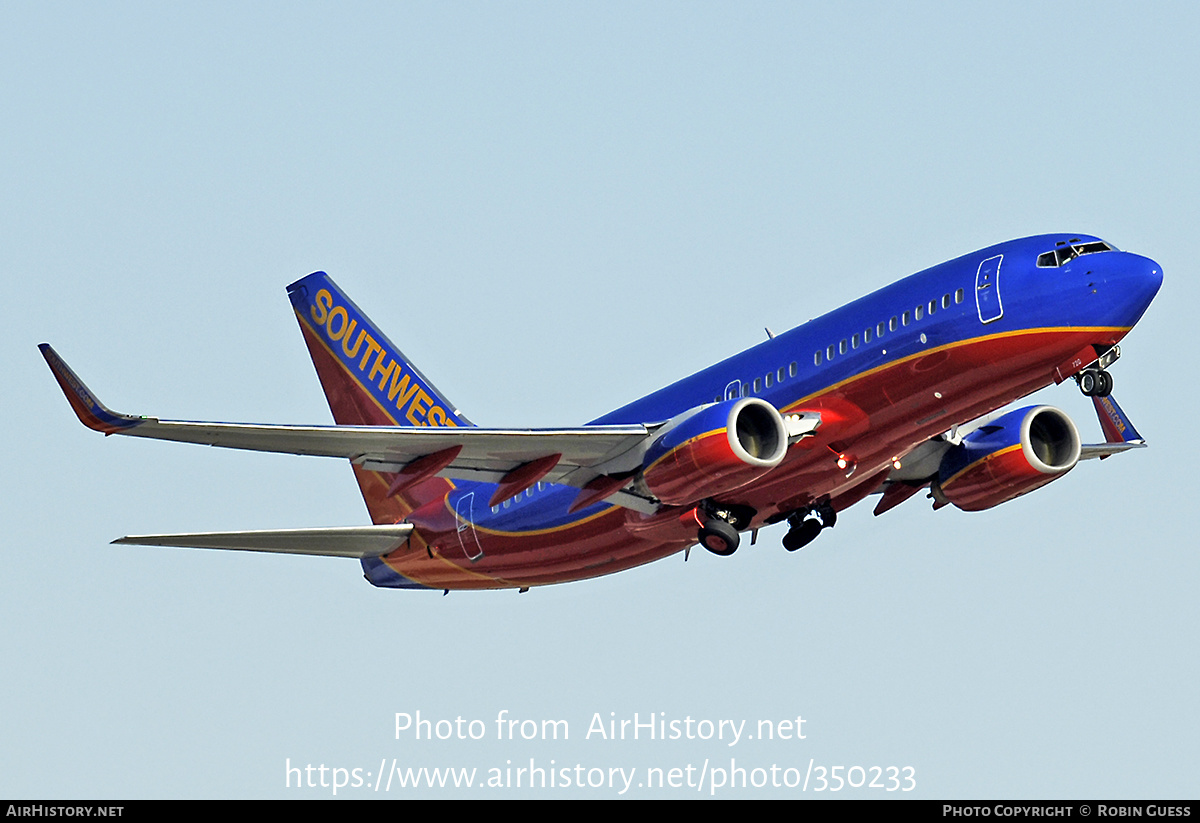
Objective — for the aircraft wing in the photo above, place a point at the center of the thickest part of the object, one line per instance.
(1090, 451)
(510, 457)
(920, 465)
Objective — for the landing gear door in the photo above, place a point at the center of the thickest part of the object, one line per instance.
(467, 538)
(987, 290)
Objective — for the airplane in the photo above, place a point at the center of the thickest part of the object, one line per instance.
(898, 392)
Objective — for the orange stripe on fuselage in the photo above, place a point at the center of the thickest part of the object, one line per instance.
(794, 406)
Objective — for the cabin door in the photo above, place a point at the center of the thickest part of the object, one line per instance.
(987, 290)
(467, 538)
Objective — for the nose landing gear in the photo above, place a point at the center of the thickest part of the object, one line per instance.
(1095, 382)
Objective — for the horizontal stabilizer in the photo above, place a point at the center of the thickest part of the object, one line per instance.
(347, 541)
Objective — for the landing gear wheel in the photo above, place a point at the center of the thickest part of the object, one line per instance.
(806, 524)
(801, 534)
(1095, 383)
(719, 537)
(1087, 383)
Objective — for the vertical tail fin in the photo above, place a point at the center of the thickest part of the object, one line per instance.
(368, 382)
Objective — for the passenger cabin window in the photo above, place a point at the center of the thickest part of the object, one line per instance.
(793, 369)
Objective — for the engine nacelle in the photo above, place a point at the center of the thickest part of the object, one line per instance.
(714, 449)
(1008, 457)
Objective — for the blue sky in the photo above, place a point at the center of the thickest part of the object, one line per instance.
(554, 209)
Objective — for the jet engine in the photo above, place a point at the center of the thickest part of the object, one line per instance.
(714, 449)
(1006, 458)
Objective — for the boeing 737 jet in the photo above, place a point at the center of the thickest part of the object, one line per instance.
(895, 393)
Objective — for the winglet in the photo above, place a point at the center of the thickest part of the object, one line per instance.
(1114, 422)
(91, 412)
(1119, 433)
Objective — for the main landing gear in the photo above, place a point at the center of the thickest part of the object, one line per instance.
(719, 537)
(806, 524)
(719, 524)
(1095, 382)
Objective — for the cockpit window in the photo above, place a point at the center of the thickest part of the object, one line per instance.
(1065, 253)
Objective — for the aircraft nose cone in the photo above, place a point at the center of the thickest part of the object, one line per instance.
(1138, 281)
(1147, 277)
